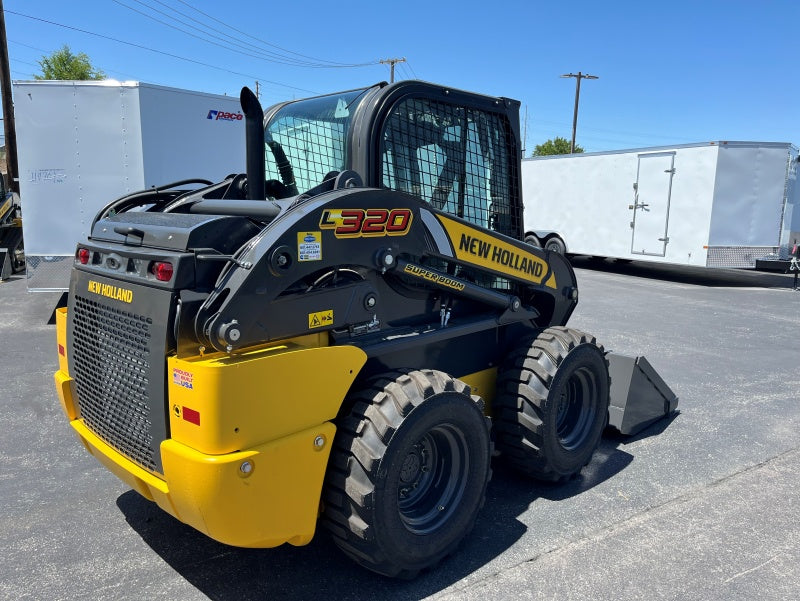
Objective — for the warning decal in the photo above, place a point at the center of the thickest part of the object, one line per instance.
(309, 246)
(320, 319)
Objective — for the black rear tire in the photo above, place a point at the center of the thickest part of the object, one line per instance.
(408, 472)
(552, 404)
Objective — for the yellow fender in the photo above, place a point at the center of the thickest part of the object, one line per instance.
(250, 438)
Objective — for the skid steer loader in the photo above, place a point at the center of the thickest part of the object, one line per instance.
(342, 334)
(12, 252)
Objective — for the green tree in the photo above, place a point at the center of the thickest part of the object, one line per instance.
(555, 146)
(63, 64)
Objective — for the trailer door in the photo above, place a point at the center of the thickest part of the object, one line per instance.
(652, 192)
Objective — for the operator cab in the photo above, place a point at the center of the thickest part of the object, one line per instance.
(455, 150)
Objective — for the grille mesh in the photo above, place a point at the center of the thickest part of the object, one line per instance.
(111, 354)
(737, 256)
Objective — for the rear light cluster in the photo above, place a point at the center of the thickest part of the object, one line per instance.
(160, 270)
(84, 256)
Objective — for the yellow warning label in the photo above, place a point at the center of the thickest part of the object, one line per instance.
(309, 246)
(320, 319)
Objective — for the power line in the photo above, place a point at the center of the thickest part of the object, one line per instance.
(409, 73)
(198, 37)
(404, 73)
(610, 131)
(29, 46)
(591, 142)
(236, 42)
(243, 47)
(269, 43)
(16, 60)
(112, 71)
(39, 66)
(141, 47)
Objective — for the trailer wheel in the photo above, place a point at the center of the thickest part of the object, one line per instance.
(552, 403)
(533, 240)
(18, 258)
(556, 245)
(408, 472)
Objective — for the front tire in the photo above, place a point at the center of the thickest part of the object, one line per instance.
(408, 473)
(552, 403)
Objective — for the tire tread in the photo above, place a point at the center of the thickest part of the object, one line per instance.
(524, 383)
(362, 439)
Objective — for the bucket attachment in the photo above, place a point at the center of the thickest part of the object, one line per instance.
(639, 396)
(5, 264)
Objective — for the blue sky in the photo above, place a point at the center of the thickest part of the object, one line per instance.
(669, 72)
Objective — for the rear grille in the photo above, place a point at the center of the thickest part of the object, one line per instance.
(111, 357)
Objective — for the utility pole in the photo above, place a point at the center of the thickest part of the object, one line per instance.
(578, 76)
(258, 86)
(391, 62)
(8, 107)
(525, 132)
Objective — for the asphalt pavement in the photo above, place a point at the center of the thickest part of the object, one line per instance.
(704, 505)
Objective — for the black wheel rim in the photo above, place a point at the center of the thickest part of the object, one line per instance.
(577, 407)
(433, 478)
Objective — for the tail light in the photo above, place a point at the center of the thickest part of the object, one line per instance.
(162, 270)
(83, 255)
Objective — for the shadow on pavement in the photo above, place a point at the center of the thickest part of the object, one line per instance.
(653, 429)
(698, 276)
(226, 573)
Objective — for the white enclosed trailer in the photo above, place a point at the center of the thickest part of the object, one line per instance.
(715, 204)
(84, 143)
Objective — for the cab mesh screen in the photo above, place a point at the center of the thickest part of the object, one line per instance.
(455, 158)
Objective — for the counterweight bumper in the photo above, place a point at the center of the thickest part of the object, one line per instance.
(250, 438)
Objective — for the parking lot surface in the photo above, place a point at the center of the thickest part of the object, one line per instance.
(704, 505)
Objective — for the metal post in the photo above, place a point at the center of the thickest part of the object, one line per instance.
(578, 76)
(8, 108)
(392, 62)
